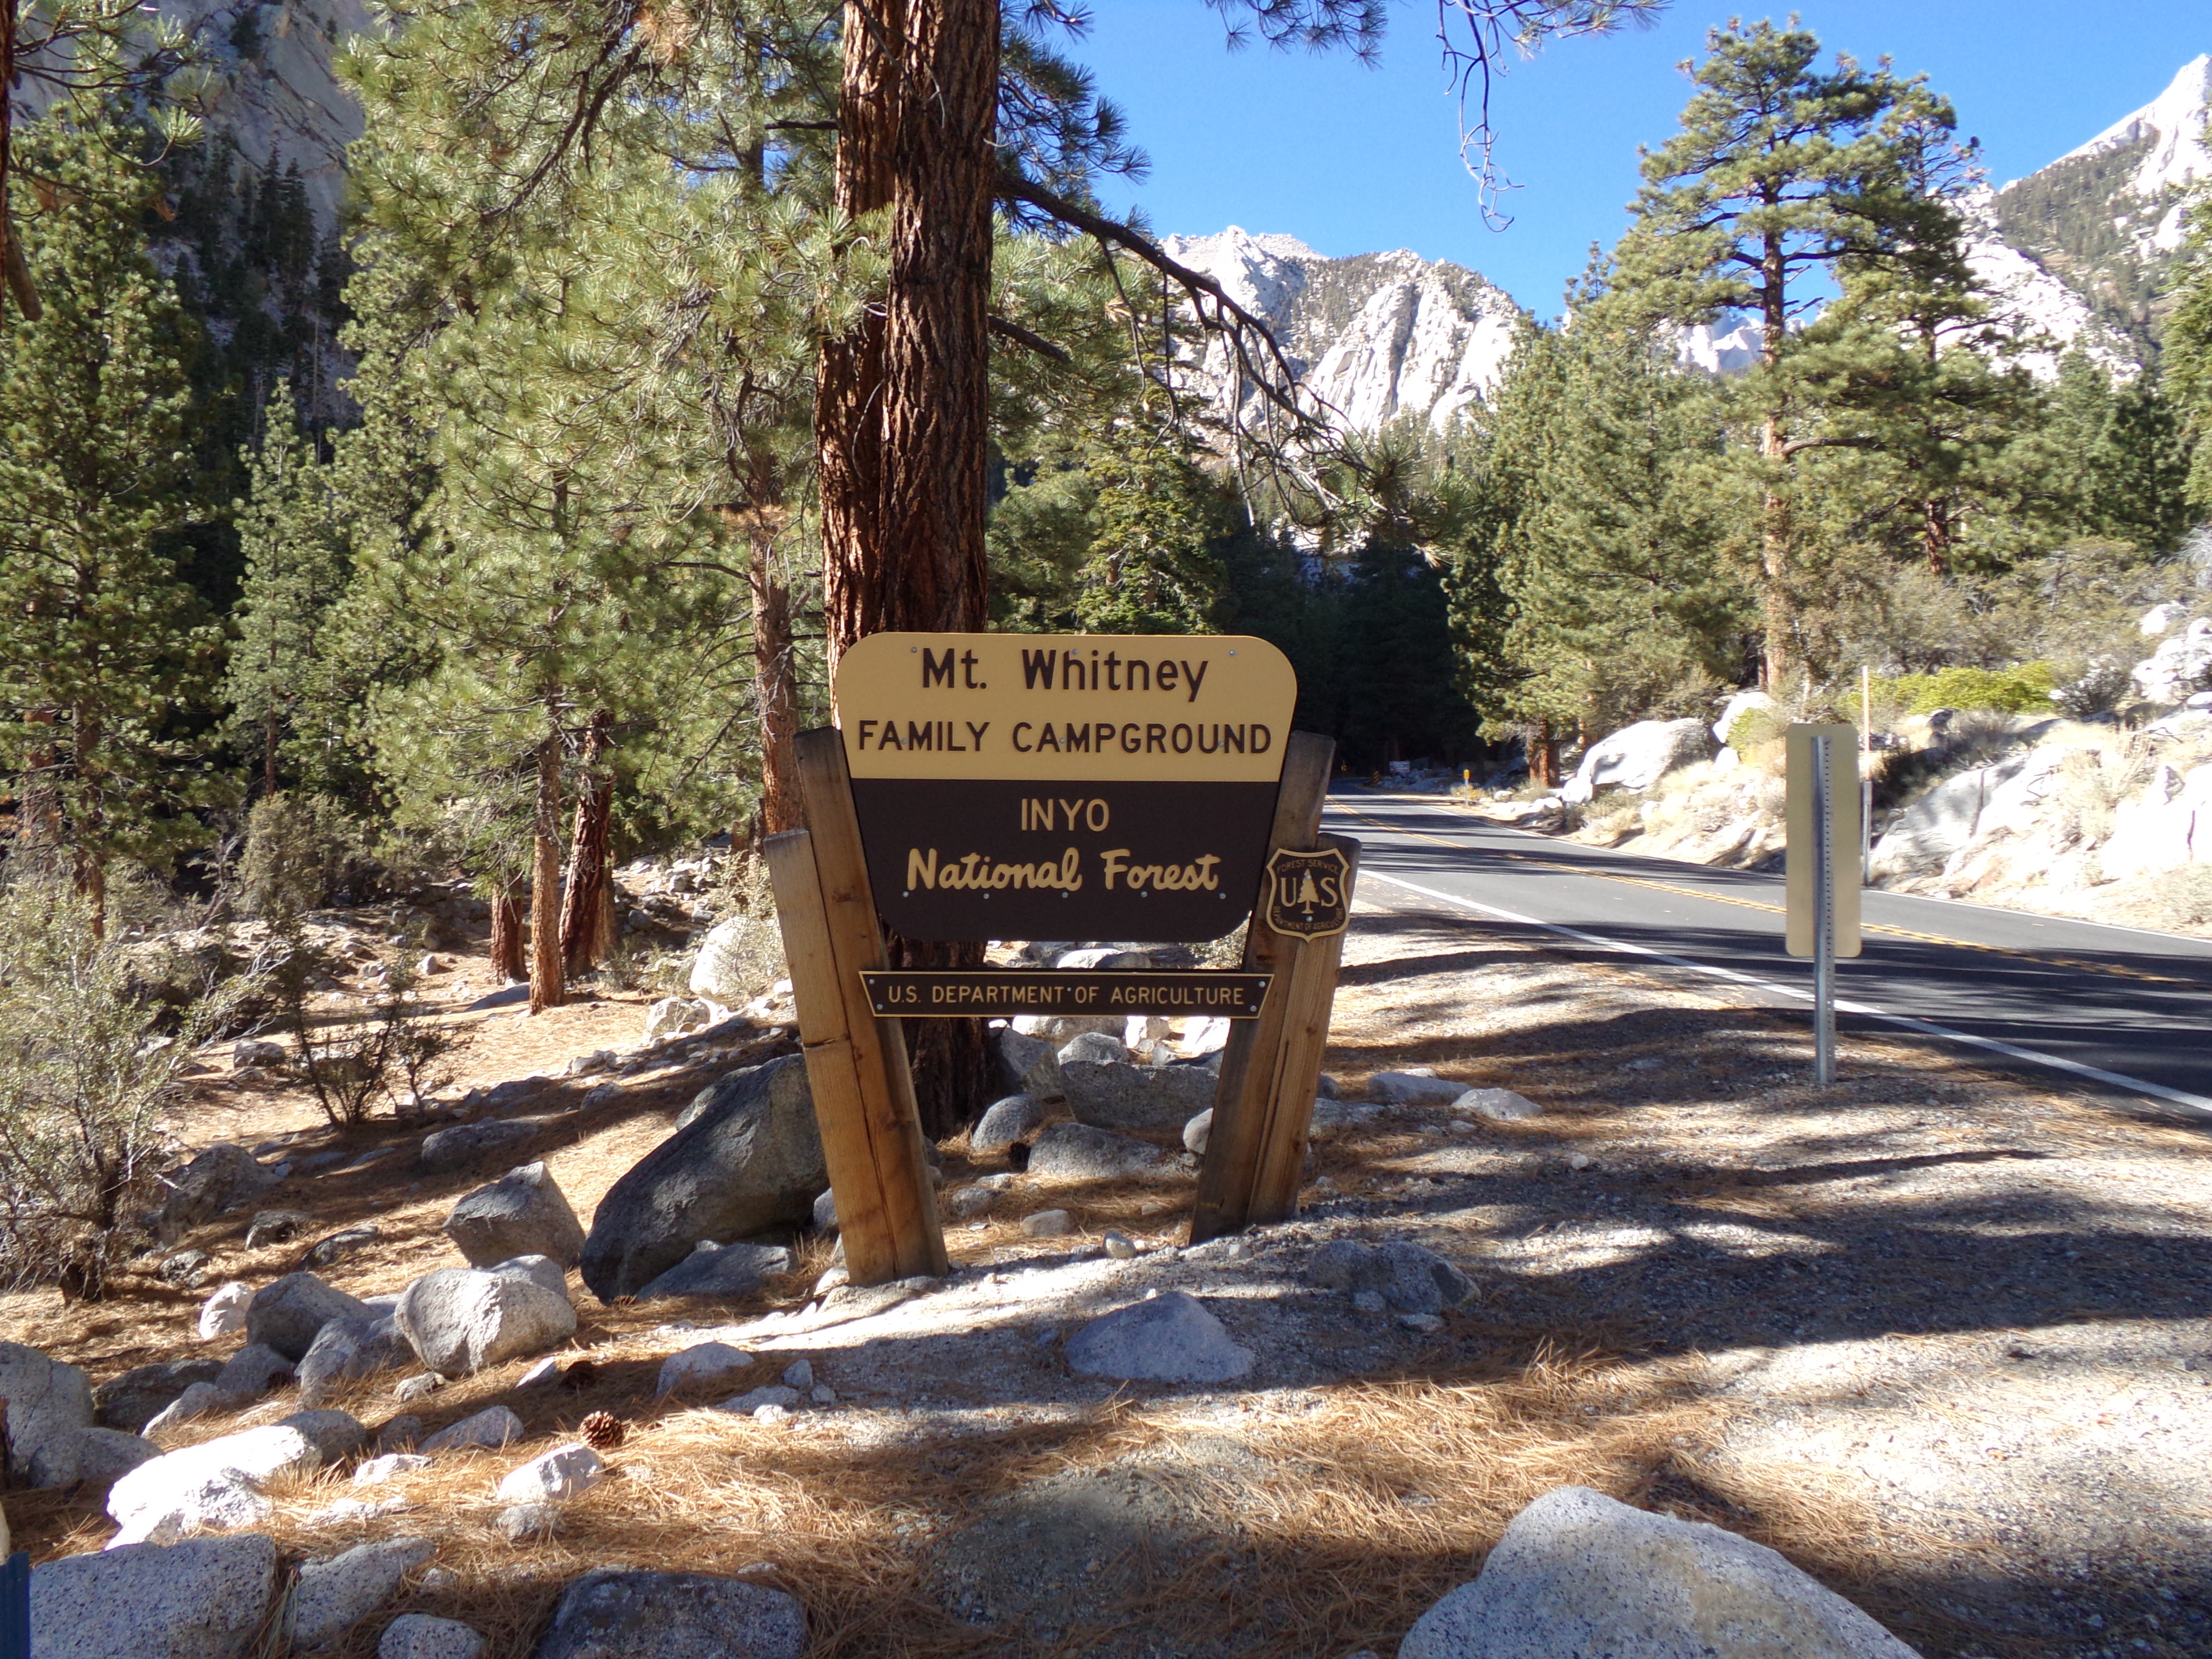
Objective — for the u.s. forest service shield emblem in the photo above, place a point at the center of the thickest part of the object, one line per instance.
(1307, 893)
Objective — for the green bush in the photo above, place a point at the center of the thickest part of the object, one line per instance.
(2024, 689)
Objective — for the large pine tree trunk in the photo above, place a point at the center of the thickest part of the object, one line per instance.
(1774, 528)
(901, 417)
(548, 987)
(583, 906)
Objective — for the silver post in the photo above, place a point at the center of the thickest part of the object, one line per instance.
(1824, 916)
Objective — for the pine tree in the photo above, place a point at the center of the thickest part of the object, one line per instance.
(1784, 181)
(295, 571)
(2188, 354)
(101, 645)
(1150, 568)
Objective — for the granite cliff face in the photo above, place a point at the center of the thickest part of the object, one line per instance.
(279, 91)
(1378, 336)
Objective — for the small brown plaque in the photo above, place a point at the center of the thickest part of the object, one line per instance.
(1001, 992)
(1307, 893)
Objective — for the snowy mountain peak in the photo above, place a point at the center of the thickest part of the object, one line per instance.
(2172, 125)
(1378, 336)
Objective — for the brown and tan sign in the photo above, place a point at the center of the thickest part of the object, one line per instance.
(1032, 786)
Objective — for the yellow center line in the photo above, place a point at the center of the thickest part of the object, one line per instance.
(1776, 909)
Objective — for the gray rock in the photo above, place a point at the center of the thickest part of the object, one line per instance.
(1099, 1048)
(253, 1370)
(203, 1599)
(1333, 1117)
(749, 1164)
(539, 1269)
(799, 1374)
(187, 1269)
(90, 1457)
(494, 1426)
(1005, 1122)
(825, 1211)
(197, 1400)
(1497, 1105)
(1120, 1246)
(1028, 1065)
(777, 1395)
(612, 1614)
(1414, 1088)
(1400, 1275)
(418, 1636)
(416, 1388)
(1168, 1337)
(274, 1227)
(399, 1434)
(1048, 1224)
(562, 1473)
(222, 1178)
(223, 1314)
(46, 1399)
(1077, 1151)
(135, 1399)
(257, 1051)
(1198, 1131)
(458, 1320)
(464, 1143)
(332, 1596)
(521, 1524)
(338, 1246)
(524, 1212)
(729, 1270)
(1117, 1095)
(971, 1200)
(334, 1435)
(389, 1466)
(215, 1486)
(346, 1350)
(1577, 1576)
(286, 1316)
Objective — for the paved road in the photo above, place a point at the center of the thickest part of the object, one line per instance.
(2130, 1009)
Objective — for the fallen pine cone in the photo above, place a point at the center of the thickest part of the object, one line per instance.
(604, 1430)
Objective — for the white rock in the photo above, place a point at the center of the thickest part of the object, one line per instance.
(215, 1487)
(333, 1596)
(1141, 1031)
(2166, 825)
(1204, 1034)
(418, 1636)
(2181, 665)
(459, 1320)
(494, 1425)
(524, 1522)
(1048, 1224)
(561, 1473)
(391, 1466)
(223, 1314)
(1636, 756)
(1498, 1105)
(673, 1016)
(702, 1365)
(1170, 1338)
(1577, 1573)
(201, 1598)
(2162, 619)
(545, 1370)
(719, 971)
(1198, 1131)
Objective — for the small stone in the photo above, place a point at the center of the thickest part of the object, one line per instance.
(702, 1365)
(1048, 1224)
(825, 1211)
(1170, 1338)
(335, 1435)
(772, 1415)
(1415, 1086)
(527, 1522)
(749, 1404)
(187, 1269)
(564, 1471)
(399, 1434)
(1368, 1301)
(545, 1370)
(419, 1636)
(378, 1470)
(823, 1394)
(133, 1399)
(421, 1386)
(1427, 1324)
(1005, 1122)
(1120, 1247)
(1095, 1047)
(197, 1400)
(276, 1227)
(799, 1374)
(339, 1245)
(1497, 1105)
(256, 1051)
(496, 1426)
(832, 1279)
(965, 1201)
(1198, 1131)
(1579, 1160)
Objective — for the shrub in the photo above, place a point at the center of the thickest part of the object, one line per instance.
(2022, 689)
(300, 850)
(85, 1070)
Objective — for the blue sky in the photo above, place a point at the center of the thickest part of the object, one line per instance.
(1352, 159)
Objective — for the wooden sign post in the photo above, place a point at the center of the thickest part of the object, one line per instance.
(1015, 786)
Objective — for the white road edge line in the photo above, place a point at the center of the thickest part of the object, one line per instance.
(2139, 1086)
